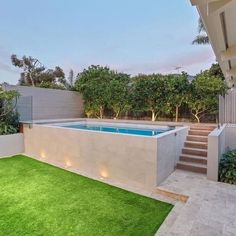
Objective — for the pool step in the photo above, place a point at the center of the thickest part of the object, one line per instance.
(193, 167)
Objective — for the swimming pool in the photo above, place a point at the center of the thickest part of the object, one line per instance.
(114, 128)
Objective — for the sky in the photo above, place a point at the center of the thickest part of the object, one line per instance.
(131, 36)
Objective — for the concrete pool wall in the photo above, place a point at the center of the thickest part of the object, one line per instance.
(137, 161)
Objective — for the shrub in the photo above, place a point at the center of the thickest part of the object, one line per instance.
(227, 169)
(9, 119)
(7, 129)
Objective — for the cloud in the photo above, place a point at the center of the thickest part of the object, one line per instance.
(191, 63)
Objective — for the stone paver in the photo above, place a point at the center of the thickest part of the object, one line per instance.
(210, 210)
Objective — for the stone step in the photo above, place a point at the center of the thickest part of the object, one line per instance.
(198, 168)
(208, 128)
(193, 144)
(193, 159)
(199, 132)
(196, 138)
(195, 151)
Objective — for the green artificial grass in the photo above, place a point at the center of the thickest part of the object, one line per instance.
(39, 199)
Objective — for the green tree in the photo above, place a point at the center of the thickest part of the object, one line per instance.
(70, 82)
(202, 37)
(93, 83)
(36, 75)
(216, 71)
(205, 90)
(31, 68)
(178, 90)
(7, 101)
(119, 94)
(149, 94)
(9, 121)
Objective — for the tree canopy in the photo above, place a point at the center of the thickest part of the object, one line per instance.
(93, 83)
(178, 91)
(205, 90)
(9, 122)
(202, 37)
(106, 90)
(149, 94)
(35, 74)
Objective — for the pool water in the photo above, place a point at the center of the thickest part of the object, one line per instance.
(118, 129)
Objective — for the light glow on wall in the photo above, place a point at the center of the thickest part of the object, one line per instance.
(42, 154)
(104, 174)
(68, 163)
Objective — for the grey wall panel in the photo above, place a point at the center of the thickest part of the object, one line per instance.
(49, 103)
(227, 107)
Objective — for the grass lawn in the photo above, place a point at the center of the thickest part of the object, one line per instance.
(39, 199)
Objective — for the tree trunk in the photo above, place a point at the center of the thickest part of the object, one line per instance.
(32, 81)
(101, 112)
(117, 115)
(154, 116)
(197, 118)
(176, 113)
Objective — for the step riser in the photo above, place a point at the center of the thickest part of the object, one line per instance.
(199, 133)
(201, 153)
(193, 160)
(191, 168)
(196, 145)
(197, 139)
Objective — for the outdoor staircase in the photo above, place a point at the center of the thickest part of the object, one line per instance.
(194, 153)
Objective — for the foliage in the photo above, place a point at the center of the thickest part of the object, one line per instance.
(150, 94)
(119, 94)
(50, 85)
(105, 90)
(36, 75)
(7, 128)
(202, 37)
(178, 91)
(227, 168)
(70, 82)
(205, 89)
(9, 122)
(93, 83)
(216, 71)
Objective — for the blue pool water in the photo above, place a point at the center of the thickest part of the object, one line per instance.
(118, 129)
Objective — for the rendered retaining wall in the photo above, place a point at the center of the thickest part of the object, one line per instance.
(136, 161)
(219, 141)
(216, 147)
(11, 144)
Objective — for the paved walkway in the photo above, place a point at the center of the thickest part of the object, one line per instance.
(209, 211)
